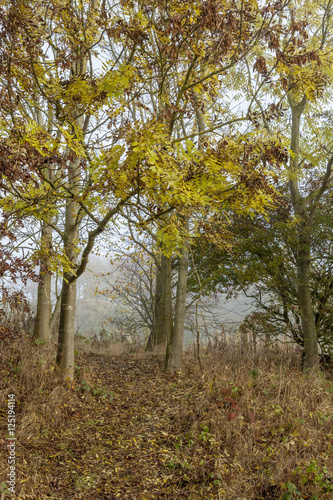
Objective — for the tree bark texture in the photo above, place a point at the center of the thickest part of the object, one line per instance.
(41, 329)
(163, 318)
(175, 346)
(65, 355)
(54, 321)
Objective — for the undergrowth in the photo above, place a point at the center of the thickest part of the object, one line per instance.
(244, 427)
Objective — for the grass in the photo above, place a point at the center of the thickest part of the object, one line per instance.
(244, 427)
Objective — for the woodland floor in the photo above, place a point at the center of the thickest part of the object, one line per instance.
(125, 430)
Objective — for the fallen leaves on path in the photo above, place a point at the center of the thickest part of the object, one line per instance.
(125, 430)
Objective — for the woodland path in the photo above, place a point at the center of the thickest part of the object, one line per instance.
(124, 430)
(126, 440)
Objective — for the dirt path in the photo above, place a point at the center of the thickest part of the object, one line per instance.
(126, 440)
(125, 431)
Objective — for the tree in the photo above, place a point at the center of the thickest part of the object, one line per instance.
(189, 59)
(147, 161)
(263, 265)
(15, 271)
(303, 75)
(132, 284)
(62, 87)
(299, 75)
(176, 340)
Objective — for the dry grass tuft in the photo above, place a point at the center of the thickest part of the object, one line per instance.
(28, 372)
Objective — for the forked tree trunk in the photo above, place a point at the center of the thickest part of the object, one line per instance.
(43, 314)
(173, 360)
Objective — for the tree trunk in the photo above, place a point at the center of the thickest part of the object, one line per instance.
(162, 323)
(311, 358)
(42, 330)
(165, 319)
(304, 227)
(65, 355)
(54, 322)
(151, 344)
(173, 359)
